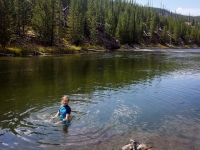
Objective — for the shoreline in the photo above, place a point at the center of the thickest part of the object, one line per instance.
(47, 51)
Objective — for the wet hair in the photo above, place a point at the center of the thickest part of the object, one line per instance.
(63, 99)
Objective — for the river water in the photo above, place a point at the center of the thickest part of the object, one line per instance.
(152, 96)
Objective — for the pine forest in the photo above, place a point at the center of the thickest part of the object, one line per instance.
(78, 22)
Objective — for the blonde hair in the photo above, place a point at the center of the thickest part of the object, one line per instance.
(64, 98)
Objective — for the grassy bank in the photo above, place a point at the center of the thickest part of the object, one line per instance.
(25, 51)
(16, 50)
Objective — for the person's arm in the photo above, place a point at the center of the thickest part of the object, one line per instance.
(55, 116)
(67, 118)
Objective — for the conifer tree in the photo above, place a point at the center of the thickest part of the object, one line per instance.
(110, 20)
(187, 36)
(75, 23)
(23, 15)
(193, 35)
(153, 24)
(6, 22)
(122, 30)
(44, 21)
(198, 37)
(92, 19)
(176, 32)
(164, 35)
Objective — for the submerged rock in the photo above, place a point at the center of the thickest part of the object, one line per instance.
(134, 145)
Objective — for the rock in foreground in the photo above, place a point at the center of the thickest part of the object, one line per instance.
(134, 145)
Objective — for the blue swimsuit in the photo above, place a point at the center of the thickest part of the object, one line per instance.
(63, 111)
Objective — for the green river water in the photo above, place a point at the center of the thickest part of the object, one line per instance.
(152, 96)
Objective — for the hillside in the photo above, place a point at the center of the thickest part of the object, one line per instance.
(105, 23)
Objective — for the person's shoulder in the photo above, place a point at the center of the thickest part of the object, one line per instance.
(68, 106)
(68, 109)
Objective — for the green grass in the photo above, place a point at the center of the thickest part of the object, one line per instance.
(96, 47)
(22, 51)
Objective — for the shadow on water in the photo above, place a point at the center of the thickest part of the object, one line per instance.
(151, 96)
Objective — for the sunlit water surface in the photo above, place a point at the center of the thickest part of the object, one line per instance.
(152, 96)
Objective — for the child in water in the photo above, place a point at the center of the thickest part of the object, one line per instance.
(64, 111)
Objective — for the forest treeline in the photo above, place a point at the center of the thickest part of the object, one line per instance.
(75, 22)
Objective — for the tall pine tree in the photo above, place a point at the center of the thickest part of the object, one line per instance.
(6, 22)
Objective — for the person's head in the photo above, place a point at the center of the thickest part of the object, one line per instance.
(64, 100)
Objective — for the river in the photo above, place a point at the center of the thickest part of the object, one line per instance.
(148, 95)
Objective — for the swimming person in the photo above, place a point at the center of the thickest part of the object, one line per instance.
(64, 111)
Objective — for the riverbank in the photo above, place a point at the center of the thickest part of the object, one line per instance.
(14, 50)
(18, 51)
